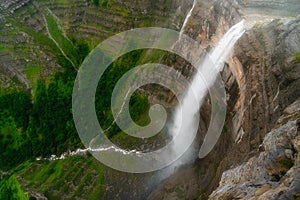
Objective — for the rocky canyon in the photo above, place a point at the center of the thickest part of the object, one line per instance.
(43, 44)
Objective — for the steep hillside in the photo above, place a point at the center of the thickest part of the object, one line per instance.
(36, 35)
(42, 46)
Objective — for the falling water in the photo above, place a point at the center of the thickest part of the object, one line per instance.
(195, 95)
(185, 118)
(187, 18)
(225, 45)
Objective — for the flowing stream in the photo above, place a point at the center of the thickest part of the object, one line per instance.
(187, 19)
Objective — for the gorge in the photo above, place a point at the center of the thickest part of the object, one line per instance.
(257, 153)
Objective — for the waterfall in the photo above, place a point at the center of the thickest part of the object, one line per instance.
(186, 113)
(225, 45)
(185, 118)
(187, 18)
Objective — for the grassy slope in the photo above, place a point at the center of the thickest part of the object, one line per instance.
(75, 177)
(57, 34)
(10, 189)
(297, 57)
(32, 74)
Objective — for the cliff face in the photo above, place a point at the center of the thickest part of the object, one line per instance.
(262, 79)
(274, 172)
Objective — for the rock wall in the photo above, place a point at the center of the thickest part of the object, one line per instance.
(262, 79)
(273, 173)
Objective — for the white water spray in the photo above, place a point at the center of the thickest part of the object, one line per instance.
(187, 19)
(185, 118)
(186, 115)
(225, 45)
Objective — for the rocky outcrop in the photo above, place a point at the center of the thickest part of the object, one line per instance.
(8, 7)
(274, 173)
(34, 195)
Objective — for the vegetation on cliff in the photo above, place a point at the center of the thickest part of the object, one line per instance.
(37, 121)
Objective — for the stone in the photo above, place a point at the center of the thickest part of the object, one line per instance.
(273, 174)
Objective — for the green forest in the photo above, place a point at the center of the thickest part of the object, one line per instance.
(42, 125)
(38, 121)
